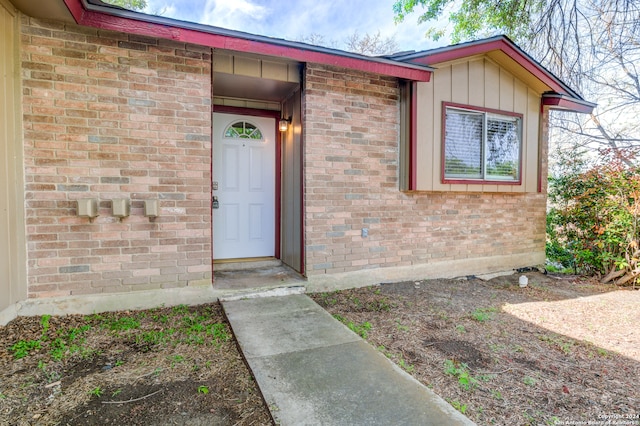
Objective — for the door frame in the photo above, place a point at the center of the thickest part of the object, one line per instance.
(278, 166)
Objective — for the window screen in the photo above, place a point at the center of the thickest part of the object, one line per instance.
(481, 145)
(463, 147)
(503, 147)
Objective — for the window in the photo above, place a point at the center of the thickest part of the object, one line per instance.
(243, 130)
(481, 145)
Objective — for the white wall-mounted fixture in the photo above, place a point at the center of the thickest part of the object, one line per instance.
(151, 208)
(283, 124)
(120, 207)
(87, 207)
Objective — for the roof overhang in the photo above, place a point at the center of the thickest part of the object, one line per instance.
(562, 102)
(94, 13)
(558, 94)
(53, 10)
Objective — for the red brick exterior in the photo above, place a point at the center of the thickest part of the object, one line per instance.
(109, 115)
(351, 182)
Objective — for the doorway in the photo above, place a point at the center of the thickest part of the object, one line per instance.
(244, 186)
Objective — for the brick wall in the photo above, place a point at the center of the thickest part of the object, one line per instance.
(351, 182)
(108, 115)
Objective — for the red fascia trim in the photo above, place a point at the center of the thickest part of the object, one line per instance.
(566, 104)
(76, 8)
(480, 109)
(476, 181)
(481, 182)
(480, 48)
(246, 111)
(454, 53)
(131, 26)
(413, 137)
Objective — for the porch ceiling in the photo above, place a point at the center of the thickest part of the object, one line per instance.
(46, 9)
(239, 86)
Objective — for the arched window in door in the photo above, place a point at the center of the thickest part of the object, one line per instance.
(243, 130)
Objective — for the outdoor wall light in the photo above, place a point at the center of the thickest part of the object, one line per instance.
(87, 207)
(120, 207)
(151, 208)
(283, 125)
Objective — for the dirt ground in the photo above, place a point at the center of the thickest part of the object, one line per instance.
(503, 354)
(167, 366)
(561, 350)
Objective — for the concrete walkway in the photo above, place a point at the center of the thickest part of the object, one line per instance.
(312, 370)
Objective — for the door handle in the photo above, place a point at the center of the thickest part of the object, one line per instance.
(215, 204)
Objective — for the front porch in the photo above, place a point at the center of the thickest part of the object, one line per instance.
(255, 275)
(256, 171)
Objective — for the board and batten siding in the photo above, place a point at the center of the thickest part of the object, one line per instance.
(477, 82)
(12, 228)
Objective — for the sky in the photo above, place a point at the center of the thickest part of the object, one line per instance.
(335, 20)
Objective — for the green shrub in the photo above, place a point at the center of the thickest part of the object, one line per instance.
(592, 224)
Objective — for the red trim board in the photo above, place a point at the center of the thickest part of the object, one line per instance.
(220, 41)
(560, 102)
(479, 48)
(443, 179)
(413, 135)
(268, 114)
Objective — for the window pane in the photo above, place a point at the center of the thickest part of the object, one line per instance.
(503, 148)
(243, 130)
(463, 145)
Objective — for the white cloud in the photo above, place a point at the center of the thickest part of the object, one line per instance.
(183, 10)
(161, 8)
(335, 20)
(233, 14)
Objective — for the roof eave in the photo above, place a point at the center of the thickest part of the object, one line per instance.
(116, 19)
(433, 55)
(501, 42)
(565, 103)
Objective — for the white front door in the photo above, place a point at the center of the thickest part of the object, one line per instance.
(244, 149)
